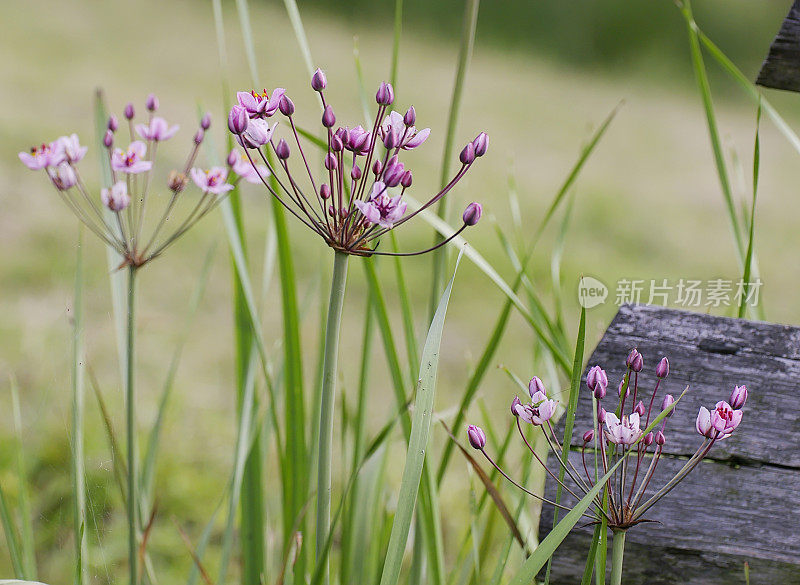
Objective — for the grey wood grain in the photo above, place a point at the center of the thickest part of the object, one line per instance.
(781, 68)
(741, 504)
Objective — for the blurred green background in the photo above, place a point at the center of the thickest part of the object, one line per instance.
(543, 75)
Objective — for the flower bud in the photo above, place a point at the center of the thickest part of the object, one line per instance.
(108, 139)
(385, 94)
(477, 438)
(467, 155)
(410, 117)
(355, 172)
(238, 119)
(514, 404)
(662, 369)
(588, 436)
(318, 80)
(199, 135)
(406, 179)
(472, 214)
(336, 144)
(627, 388)
(328, 117)
(325, 191)
(205, 121)
(113, 124)
(286, 106)
(282, 151)
(600, 391)
(635, 361)
(648, 439)
(666, 403)
(232, 158)
(151, 103)
(331, 210)
(535, 385)
(391, 139)
(63, 177)
(738, 397)
(640, 410)
(660, 438)
(596, 377)
(377, 167)
(331, 162)
(129, 111)
(177, 181)
(601, 415)
(481, 144)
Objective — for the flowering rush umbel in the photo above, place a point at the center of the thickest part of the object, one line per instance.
(126, 197)
(353, 195)
(625, 430)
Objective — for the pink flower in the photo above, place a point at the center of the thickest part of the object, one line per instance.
(63, 176)
(358, 140)
(260, 105)
(43, 156)
(622, 432)
(130, 161)
(724, 418)
(257, 134)
(158, 130)
(539, 411)
(116, 198)
(70, 147)
(719, 423)
(212, 180)
(381, 208)
(408, 136)
(242, 167)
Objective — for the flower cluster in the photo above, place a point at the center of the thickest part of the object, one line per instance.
(624, 434)
(358, 196)
(121, 223)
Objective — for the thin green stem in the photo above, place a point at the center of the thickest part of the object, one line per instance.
(131, 430)
(617, 552)
(328, 400)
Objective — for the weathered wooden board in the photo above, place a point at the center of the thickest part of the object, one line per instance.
(743, 503)
(781, 68)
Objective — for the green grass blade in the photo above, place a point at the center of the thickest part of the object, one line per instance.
(405, 308)
(154, 437)
(588, 570)
(544, 552)
(701, 77)
(569, 422)
(420, 430)
(12, 539)
(27, 545)
(752, 220)
(439, 257)
(586, 152)
(300, 34)
(77, 468)
(398, 30)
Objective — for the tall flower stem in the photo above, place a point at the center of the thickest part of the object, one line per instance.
(331, 359)
(130, 401)
(617, 552)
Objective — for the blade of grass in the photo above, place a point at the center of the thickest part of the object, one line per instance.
(544, 552)
(751, 231)
(502, 320)
(27, 546)
(417, 446)
(300, 34)
(398, 30)
(569, 423)
(12, 540)
(154, 437)
(439, 257)
(77, 468)
(701, 77)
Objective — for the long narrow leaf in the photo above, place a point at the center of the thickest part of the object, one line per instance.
(417, 446)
